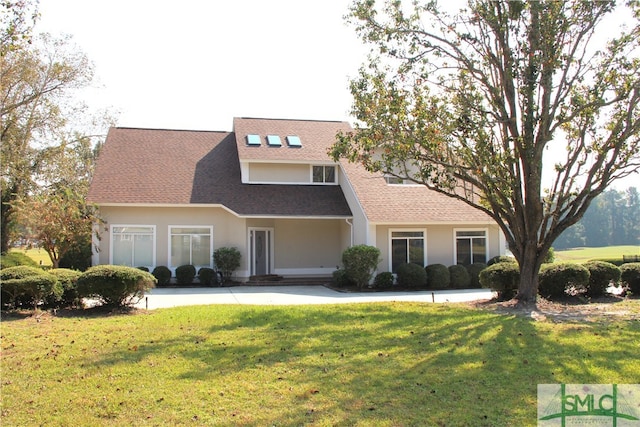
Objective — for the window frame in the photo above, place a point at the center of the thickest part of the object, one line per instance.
(324, 175)
(112, 234)
(408, 230)
(471, 238)
(170, 247)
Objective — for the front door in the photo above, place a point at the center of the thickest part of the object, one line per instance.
(260, 242)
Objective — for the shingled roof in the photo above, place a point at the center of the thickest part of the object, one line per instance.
(173, 167)
(315, 136)
(406, 204)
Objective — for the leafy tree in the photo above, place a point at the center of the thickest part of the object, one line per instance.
(37, 108)
(59, 221)
(17, 18)
(469, 104)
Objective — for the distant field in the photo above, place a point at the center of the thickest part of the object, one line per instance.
(585, 254)
(36, 254)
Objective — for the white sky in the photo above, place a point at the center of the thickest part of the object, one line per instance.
(196, 64)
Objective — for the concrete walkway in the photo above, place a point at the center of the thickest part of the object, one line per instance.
(295, 295)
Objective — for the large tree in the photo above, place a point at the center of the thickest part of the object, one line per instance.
(38, 81)
(512, 107)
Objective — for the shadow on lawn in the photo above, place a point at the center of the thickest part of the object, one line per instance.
(396, 362)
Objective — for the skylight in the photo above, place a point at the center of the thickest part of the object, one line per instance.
(294, 141)
(274, 140)
(253, 139)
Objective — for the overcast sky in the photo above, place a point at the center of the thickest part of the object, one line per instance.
(196, 64)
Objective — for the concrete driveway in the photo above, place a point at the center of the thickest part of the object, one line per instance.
(295, 295)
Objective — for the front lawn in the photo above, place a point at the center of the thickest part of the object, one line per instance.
(389, 364)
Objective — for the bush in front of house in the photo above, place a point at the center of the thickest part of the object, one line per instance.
(185, 274)
(501, 277)
(630, 277)
(601, 274)
(162, 275)
(227, 260)
(208, 277)
(555, 279)
(68, 280)
(500, 258)
(474, 273)
(339, 279)
(360, 261)
(437, 276)
(383, 280)
(459, 277)
(28, 285)
(115, 285)
(410, 275)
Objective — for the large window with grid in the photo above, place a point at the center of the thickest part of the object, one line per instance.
(191, 245)
(133, 245)
(407, 246)
(471, 246)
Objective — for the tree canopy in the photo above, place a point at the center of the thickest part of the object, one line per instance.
(512, 107)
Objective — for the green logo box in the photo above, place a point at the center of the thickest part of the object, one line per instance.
(597, 405)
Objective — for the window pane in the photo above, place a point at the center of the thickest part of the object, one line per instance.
(190, 230)
(142, 251)
(201, 251)
(318, 172)
(180, 250)
(122, 250)
(329, 174)
(416, 251)
(479, 250)
(463, 251)
(398, 253)
(480, 233)
(395, 234)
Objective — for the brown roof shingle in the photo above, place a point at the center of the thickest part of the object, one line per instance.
(146, 166)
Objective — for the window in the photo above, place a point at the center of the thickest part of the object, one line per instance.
(133, 245)
(294, 141)
(191, 245)
(471, 246)
(253, 139)
(274, 141)
(324, 174)
(407, 247)
(393, 180)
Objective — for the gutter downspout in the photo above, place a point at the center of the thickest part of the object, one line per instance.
(351, 230)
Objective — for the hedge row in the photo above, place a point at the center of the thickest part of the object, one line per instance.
(110, 285)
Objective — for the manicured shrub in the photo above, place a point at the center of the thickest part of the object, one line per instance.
(499, 259)
(474, 273)
(14, 259)
(162, 275)
(410, 275)
(502, 277)
(30, 284)
(68, 280)
(115, 285)
(383, 280)
(208, 277)
(459, 277)
(549, 257)
(227, 260)
(185, 274)
(437, 276)
(360, 262)
(615, 261)
(601, 274)
(630, 276)
(556, 279)
(341, 280)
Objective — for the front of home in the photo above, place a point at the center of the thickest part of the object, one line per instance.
(268, 188)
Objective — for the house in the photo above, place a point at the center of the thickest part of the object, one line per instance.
(268, 188)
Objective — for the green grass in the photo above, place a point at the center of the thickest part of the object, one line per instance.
(37, 254)
(391, 364)
(581, 255)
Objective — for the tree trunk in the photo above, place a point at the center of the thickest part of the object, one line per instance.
(529, 269)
